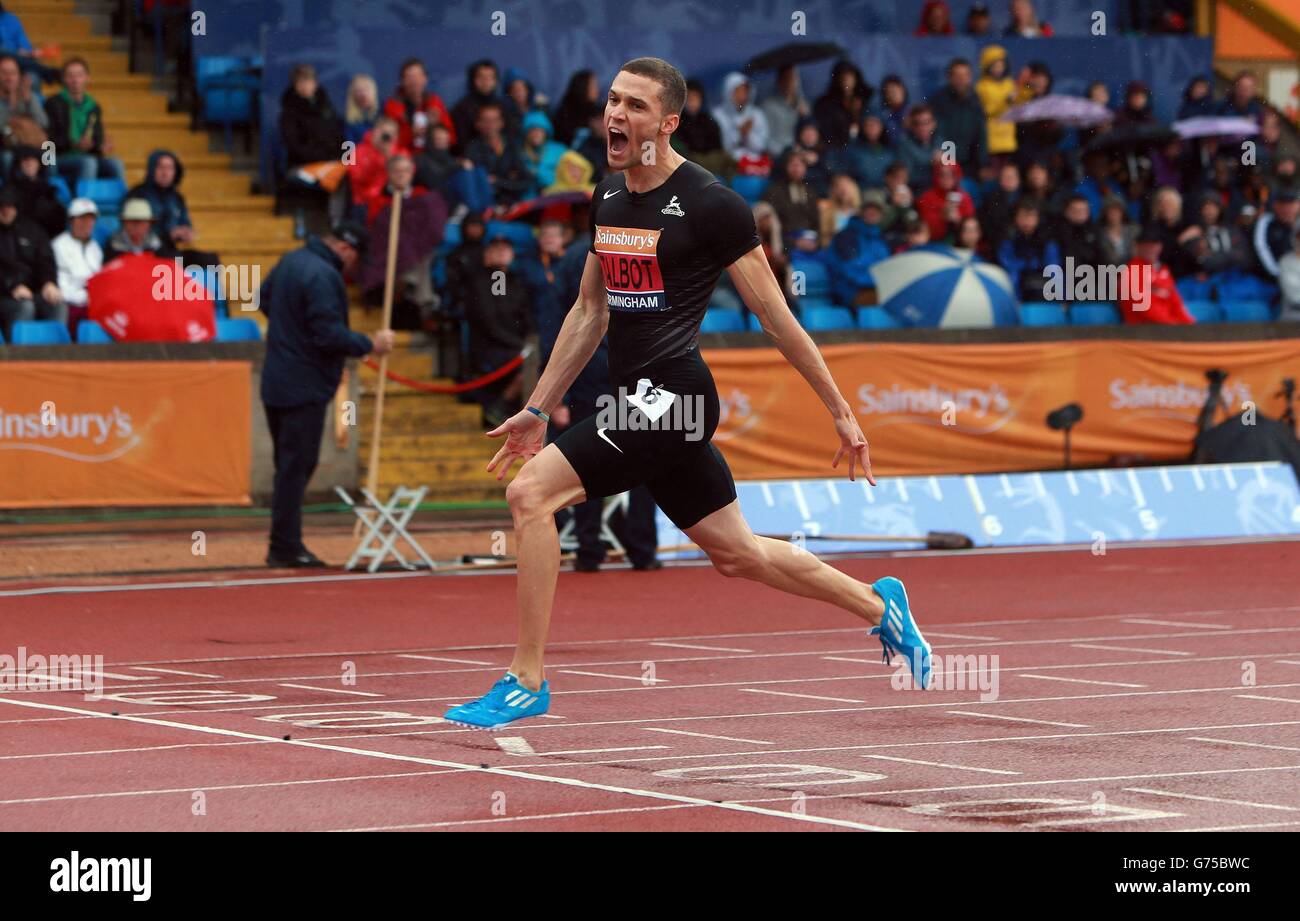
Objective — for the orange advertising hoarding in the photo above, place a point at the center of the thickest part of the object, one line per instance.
(932, 409)
(87, 433)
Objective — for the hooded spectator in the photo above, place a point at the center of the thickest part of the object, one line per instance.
(570, 116)
(893, 107)
(936, 19)
(783, 110)
(1078, 235)
(1027, 252)
(867, 158)
(28, 278)
(573, 173)
(415, 108)
(462, 260)
(840, 108)
(161, 189)
(481, 79)
(978, 21)
(310, 127)
(961, 117)
(1198, 100)
(1136, 109)
(997, 93)
(945, 204)
(541, 155)
(37, 200)
(743, 126)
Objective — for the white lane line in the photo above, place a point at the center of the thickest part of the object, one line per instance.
(1209, 799)
(638, 678)
(963, 636)
(1174, 623)
(1154, 652)
(602, 751)
(470, 768)
(1287, 662)
(1138, 495)
(1240, 827)
(520, 818)
(1283, 748)
(124, 751)
(804, 513)
(173, 671)
(514, 745)
(707, 648)
(847, 659)
(409, 655)
(1017, 719)
(1113, 684)
(943, 764)
(705, 735)
(976, 499)
(308, 687)
(1281, 700)
(838, 700)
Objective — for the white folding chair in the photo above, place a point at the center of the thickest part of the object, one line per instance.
(569, 540)
(384, 525)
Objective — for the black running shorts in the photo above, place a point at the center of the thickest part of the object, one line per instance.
(656, 431)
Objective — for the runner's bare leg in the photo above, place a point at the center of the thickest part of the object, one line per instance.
(543, 486)
(735, 550)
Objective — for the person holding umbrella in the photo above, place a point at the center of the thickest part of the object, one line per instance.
(307, 342)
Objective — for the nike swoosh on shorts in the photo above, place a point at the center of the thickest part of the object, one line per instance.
(605, 438)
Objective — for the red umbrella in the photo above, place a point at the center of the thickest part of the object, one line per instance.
(142, 298)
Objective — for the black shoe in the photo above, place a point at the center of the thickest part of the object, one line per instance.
(303, 559)
(586, 566)
(649, 565)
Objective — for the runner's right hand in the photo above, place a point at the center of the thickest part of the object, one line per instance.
(525, 437)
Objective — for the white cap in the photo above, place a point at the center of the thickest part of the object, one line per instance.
(82, 206)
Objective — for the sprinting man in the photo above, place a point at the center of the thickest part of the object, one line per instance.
(663, 229)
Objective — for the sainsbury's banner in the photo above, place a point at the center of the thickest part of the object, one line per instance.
(84, 433)
(932, 409)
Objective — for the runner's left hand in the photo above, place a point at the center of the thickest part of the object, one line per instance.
(525, 437)
(853, 445)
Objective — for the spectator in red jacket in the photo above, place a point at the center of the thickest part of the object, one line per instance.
(1152, 295)
(369, 173)
(936, 18)
(945, 204)
(414, 108)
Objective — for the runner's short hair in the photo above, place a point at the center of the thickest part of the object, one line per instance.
(672, 85)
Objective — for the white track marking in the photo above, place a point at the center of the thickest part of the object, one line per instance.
(705, 735)
(407, 655)
(942, 764)
(1284, 748)
(1138, 496)
(237, 786)
(602, 751)
(126, 751)
(846, 659)
(638, 678)
(307, 687)
(1114, 684)
(173, 671)
(514, 745)
(1240, 827)
(838, 700)
(1286, 662)
(521, 818)
(708, 648)
(1018, 719)
(962, 636)
(1155, 652)
(1281, 700)
(1209, 799)
(799, 498)
(470, 768)
(1174, 623)
(976, 499)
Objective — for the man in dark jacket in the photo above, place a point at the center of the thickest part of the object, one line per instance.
(481, 86)
(961, 117)
(29, 287)
(1078, 235)
(307, 343)
(310, 127)
(497, 311)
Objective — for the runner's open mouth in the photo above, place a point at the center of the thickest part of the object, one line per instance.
(618, 141)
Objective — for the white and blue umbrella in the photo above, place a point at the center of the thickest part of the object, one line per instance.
(941, 286)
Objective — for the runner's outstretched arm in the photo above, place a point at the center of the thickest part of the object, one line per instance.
(761, 292)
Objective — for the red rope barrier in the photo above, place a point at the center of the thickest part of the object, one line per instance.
(450, 388)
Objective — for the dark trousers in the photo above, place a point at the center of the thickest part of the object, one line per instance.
(296, 436)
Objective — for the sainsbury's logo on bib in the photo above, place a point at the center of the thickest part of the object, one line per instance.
(629, 260)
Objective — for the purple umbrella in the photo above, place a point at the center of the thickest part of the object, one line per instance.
(1068, 110)
(1209, 126)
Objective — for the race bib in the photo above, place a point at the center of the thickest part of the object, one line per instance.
(652, 401)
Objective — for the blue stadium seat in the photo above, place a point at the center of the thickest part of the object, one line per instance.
(816, 302)
(722, 321)
(750, 188)
(1042, 313)
(89, 332)
(60, 186)
(41, 332)
(1193, 290)
(227, 88)
(751, 322)
(107, 194)
(2, 337)
(816, 280)
(827, 318)
(1254, 311)
(876, 318)
(239, 329)
(1205, 311)
(1094, 315)
(1242, 287)
(105, 226)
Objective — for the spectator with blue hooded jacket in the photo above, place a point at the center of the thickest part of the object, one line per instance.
(161, 189)
(307, 342)
(856, 248)
(539, 153)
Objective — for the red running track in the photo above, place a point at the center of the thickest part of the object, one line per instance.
(1154, 688)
